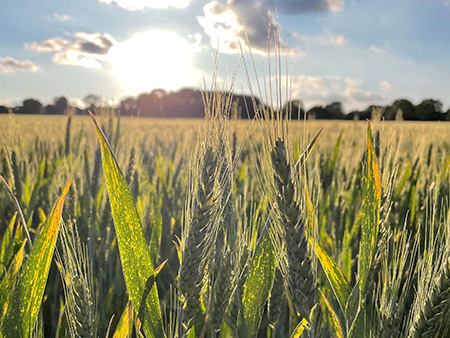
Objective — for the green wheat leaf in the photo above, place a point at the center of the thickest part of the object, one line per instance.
(9, 280)
(302, 326)
(334, 318)
(125, 326)
(27, 294)
(156, 232)
(137, 266)
(370, 211)
(257, 287)
(335, 276)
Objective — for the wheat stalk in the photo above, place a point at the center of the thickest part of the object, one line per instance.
(76, 274)
(301, 279)
(191, 273)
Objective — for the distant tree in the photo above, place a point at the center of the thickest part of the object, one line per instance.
(406, 108)
(61, 105)
(318, 113)
(353, 115)
(447, 115)
(374, 112)
(430, 110)
(389, 113)
(49, 109)
(93, 100)
(294, 109)
(4, 110)
(248, 106)
(128, 107)
(335, 110)
(149, 104)
(186, 103)
(31, 106)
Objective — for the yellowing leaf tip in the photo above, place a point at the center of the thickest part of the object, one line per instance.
(159, 268)
(93, 118)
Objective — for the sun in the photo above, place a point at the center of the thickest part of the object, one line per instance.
(155, 59)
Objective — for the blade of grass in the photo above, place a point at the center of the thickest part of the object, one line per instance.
(339, 333)
(156, 232)
(124, 328)
(302, 326)
(308, 150)
(334, 275)
(137, 266)
(370, 211)
(18, 209)
(27, 295)
(257, 287)
(9, 280)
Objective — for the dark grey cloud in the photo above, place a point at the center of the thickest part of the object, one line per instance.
(223, 21)
(83, 51)
(100, 45)
(9, 64)
(301, 6)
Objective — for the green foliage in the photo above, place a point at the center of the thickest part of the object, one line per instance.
(134, 255)
(25, 299)
(257, 287)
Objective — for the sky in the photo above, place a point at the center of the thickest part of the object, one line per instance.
(358, 52)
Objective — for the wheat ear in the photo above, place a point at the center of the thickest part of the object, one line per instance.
(434, 317)
(191, 274)
(301, 280)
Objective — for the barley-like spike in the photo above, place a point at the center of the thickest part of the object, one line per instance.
(277, 299)
(96, 174)
(76, 274)
(301, 280)
(429, 322)
(131, 165)
(222, 291)
(67, 143)
(233, 312)
(191, 270)
(17, 175)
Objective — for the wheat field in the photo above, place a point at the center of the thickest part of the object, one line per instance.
(116, 227)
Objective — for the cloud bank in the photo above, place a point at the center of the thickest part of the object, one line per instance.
(86, 51)
(9, 65)
(133, 5)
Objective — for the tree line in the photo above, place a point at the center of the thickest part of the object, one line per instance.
(189, 103)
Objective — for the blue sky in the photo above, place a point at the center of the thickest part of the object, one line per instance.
(356, 52)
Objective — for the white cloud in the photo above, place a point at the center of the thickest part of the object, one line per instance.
(377, 50)
(9, 65)
(316, 90)
(385, 86)
(62, 17)
(337, 40)
(134, 5)
(87, 50)
(50, 45)
(327, 39)
(222, 26)
(356, 95)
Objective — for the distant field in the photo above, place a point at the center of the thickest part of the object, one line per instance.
(51, 127)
